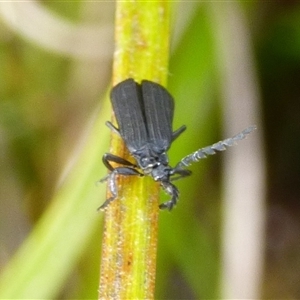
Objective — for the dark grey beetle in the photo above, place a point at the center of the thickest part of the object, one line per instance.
(144, 113)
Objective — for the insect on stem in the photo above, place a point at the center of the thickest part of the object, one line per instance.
(144, 113)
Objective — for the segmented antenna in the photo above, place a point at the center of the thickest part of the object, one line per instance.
(211, 150)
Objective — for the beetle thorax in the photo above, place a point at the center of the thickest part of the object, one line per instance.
(153, 164)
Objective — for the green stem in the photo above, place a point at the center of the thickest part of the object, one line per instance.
(130, 238)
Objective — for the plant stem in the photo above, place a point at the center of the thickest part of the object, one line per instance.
(130, 236)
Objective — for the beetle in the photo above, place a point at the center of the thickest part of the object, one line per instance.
(144, 113)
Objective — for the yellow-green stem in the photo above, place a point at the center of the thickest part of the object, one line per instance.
(129, 242)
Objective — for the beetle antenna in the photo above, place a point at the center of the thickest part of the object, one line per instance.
(211, 150)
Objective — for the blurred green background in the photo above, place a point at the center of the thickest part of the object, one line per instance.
(55, 72)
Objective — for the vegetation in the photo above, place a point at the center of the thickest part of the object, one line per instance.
(53, 137)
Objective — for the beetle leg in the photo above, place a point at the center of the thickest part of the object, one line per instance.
(178, 132)
(181, 174)
(112, 127)
(108, 157)
(172, 190)
(112, 183)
